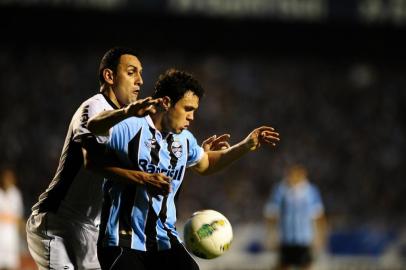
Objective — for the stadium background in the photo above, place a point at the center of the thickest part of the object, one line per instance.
(328, 74)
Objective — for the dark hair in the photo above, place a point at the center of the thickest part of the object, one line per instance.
(175, 83)
(5, 168)
(111, 59)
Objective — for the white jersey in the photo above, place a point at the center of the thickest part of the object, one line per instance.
(11, 211)
(74, 192)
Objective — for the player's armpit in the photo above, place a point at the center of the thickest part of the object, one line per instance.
(96, 155)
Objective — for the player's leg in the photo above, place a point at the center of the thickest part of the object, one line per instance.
(9, 246)
(85, 246)
(295, 256)
(118, 258)
(286, 257)
(175, 258)
(46, 247)
(305, 258)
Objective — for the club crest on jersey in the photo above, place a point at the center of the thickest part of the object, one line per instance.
(150, 143)
(176, 149)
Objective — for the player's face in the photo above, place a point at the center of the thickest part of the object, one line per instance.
(128, 79)
(181, 114)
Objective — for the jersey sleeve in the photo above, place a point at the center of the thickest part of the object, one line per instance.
(80, 120)
(273, 203)
(316, 202)
(195, 151)
(121, 135)
(19, 204)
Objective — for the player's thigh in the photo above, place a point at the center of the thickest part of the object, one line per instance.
(295, 255)
(118, 258)
(47, 249)
(9, 246)
(85, 246)
(176, 258)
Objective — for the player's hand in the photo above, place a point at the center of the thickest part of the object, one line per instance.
(261, 135)
(143, 107)
(215, 143)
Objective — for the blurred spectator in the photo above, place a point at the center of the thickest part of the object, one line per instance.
(295, 211)
(11, 211)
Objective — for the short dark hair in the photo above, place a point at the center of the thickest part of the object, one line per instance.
(175, 83)
(111, 59)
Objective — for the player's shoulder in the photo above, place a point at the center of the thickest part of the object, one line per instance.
(281, 187)
(313, 187)
(96, 100)
(14, 191)
(132, 122)
(186, 134)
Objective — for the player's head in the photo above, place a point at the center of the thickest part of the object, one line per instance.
(181, 94)
(296, 173)
(7, 177)
(120, 70)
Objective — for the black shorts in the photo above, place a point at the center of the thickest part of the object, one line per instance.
(295, 255)
(125, 258)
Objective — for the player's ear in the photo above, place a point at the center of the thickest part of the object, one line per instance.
(108, 76)
(166, 103)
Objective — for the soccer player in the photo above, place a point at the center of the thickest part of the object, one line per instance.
(138, 227)
(297, 205)
(11, 216)
(62, 230)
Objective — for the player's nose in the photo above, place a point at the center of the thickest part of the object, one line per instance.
(139, 80)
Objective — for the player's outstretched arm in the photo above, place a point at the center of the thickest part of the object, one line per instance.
(101, 123)
(214, 161)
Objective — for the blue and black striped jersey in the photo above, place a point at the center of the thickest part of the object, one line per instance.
(132, 216)
(296, 207)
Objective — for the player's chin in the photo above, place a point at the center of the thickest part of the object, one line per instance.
(179, 130)
(133, 98)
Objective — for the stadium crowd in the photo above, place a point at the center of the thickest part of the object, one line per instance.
(344, 118)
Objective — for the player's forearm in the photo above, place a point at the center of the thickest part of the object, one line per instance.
(101, 123)
(124, 175)
(119, 174)
(218, 160)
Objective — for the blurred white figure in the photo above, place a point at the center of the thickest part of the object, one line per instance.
(11, 212)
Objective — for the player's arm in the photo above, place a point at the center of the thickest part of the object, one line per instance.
(101, 123)
(272, 233)
(214, 161)
(272, 213)
(320, 236)
(96, 160)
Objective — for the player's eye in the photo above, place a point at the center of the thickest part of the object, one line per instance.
(189, 109)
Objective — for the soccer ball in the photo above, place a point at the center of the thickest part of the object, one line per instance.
(208, 234)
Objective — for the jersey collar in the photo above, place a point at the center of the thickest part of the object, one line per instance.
(151, 124)
(110, 102)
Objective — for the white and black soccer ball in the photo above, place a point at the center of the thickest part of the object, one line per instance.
(208, 234)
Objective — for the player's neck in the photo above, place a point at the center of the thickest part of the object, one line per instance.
(158, 119)
(109, 93)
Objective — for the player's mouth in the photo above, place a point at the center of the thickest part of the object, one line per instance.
(136, 89)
